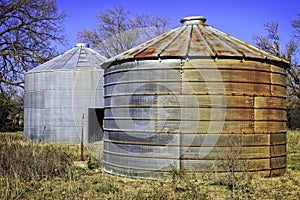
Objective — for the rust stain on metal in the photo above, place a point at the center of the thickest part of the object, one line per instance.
(254, 91)
(204, 41)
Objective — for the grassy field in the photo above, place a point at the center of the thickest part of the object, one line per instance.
(32, 171)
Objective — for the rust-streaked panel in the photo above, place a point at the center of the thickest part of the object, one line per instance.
(199, 45)
(278, 162)
(228, 75)
(217, 153)
(270, 102)
(248, 65)
(237, 139)
(238, 127)
(191, 97)
(270, 114)
(278, 138)
(196, 39)
(245, 76)
(278, 69)
(238, 88)
(247, 88)
(278, 90)
(279, 79)
(270, 126)
(203, 114)
(175, 48)
(278, 150)
(220, 165)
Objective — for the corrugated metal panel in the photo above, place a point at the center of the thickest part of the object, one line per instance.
(195, 38)
(77, 58)
(193, 98)
(59, 92)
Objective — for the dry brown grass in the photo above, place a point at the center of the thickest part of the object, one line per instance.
(87, 181)
(28, 161)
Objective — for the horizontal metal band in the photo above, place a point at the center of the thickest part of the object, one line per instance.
(187, 157)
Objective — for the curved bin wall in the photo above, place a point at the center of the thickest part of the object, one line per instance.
(191, 111)
(59, 92)
(55, 102)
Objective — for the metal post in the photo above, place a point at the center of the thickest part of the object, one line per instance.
(81, 146)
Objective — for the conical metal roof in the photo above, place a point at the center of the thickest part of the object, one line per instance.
(194, 38)
(81, 57)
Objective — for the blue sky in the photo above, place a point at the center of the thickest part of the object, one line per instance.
(239, 18)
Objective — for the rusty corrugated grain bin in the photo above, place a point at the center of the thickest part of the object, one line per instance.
(196, 99)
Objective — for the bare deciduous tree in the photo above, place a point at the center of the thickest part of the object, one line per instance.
(271, 44)
(28, 31)
(118, 31)
(296, 26)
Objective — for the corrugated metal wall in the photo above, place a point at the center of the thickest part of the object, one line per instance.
(164, 113)
(55, 102)
(59, 92)
(197, 113)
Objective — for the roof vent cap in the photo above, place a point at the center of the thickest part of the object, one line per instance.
(82, 45)
(193, 20)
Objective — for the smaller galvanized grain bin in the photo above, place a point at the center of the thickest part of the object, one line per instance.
(59, 92)
(196, 99)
